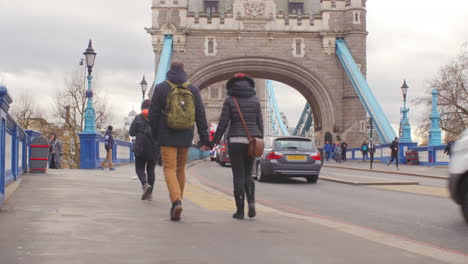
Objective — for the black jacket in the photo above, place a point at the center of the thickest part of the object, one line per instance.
(161, 132)
(145, 146)
(394, 147)
(250, 107)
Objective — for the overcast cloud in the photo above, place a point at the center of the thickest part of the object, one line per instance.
(42, 41)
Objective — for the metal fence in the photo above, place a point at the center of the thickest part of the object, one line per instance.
(14, 145)
(433, 155)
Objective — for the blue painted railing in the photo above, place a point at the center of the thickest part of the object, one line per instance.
(276, 121)
(367, 97)
(431, 156)
(14, 145)
(197, 154)
(121, 153)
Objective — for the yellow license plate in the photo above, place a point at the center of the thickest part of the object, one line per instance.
(297, 157)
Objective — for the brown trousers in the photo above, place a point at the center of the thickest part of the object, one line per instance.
(174, 160)
(108, 159)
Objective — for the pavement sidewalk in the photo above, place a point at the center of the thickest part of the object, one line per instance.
(438, 172)
(76, 216)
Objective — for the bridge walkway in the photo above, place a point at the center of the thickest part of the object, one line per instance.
(83, 216)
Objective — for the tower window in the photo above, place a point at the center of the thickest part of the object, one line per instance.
(210, 46)
(214, 93)
(298, 46)
(211, 7)
(356, 18)
(296, 8)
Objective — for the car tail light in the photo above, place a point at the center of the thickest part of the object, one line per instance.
(315, 156)
(274, 155)
(223, 148)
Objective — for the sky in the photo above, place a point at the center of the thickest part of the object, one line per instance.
(43, 41)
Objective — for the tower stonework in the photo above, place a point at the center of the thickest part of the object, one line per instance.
(292, 42)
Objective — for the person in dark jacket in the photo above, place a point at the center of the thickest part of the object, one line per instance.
(55, 152)
(448, 149)
(146, 151)
(109, 146)
(175, 143)
(242, 89)
(394, 152)
(344, 148)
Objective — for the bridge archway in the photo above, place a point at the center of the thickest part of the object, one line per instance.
(304, 81)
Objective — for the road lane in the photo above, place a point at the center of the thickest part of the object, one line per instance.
(429, 219)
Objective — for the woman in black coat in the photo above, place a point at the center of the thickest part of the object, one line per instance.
(146, 151)
(241, 88)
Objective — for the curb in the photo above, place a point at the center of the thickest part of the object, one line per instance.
(391, 172)
(330, 179)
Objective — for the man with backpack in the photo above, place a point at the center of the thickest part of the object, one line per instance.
(394, 152)
(109, 146)
(175, 107)
(344, 148)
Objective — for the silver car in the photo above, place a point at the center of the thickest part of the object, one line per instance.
(286, 157)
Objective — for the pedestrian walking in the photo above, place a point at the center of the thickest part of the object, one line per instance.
(394, 152)
(338, 152)
(448, 149)
(241, 111)
(332, 152)
(146, 151)
(175, 107)
(344, 148)
(109, 146)
(365, 150)
(327, 148)
(55, 152)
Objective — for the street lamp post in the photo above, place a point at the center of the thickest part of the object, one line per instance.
(89, 139)
(405, 127)
(90, 115)
(144, 86)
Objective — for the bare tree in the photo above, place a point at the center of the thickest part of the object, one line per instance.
(29, 114)
(452, 84)
(70, 105)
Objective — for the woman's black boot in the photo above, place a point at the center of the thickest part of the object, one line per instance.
(251, 199)
(240, 207)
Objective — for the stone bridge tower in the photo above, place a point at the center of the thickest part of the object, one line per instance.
(292, 42)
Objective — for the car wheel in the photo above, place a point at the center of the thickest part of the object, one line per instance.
(261, 175)
(312, 179)
(213, 159)
(223, 164)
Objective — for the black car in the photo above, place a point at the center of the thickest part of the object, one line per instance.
(288, 156)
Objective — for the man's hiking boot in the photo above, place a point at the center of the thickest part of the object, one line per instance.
(150, 197)
(146, 191)
(176, 210)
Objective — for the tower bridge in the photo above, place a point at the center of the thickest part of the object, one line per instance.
(318, 47)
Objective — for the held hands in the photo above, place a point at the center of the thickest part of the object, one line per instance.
(205, 148)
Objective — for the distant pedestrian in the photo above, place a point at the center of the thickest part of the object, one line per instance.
(332, 152)
(394, 152)
(448, 148)
(175, 107)
(242, 107)
(338, 152)
(55, 152)
(327, 148)
(109, 146)
(146, 149)
(365, 150)
(344, 148)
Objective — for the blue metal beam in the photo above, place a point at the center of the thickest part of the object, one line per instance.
(281, 129)
(164, 60)
(301, 120)
(368, 99)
